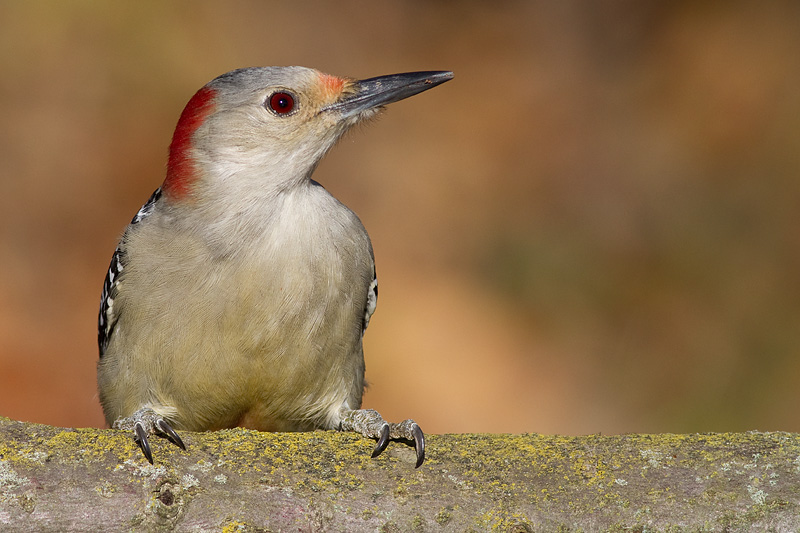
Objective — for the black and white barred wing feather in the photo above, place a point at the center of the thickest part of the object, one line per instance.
(108, 316)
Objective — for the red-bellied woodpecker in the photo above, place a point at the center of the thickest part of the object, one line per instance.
(240, 292)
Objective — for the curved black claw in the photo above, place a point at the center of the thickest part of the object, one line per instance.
(383, 441)
(419, 444)
(141, 440)
(170, 433)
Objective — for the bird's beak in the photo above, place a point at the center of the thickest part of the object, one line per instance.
(383, 90)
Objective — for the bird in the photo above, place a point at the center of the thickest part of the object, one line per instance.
(239, 294)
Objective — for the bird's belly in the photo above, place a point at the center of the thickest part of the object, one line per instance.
(270, 351)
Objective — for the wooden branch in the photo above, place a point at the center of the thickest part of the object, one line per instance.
(56, 479)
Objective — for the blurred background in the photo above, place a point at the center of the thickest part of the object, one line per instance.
(594, 228)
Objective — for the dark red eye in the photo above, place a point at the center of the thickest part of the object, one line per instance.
(281, 103)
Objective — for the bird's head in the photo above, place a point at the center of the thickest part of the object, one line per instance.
(267, 128)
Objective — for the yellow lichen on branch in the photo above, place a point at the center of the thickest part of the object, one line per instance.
(53, 478)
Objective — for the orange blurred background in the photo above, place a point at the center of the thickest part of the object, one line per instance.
(593, 228)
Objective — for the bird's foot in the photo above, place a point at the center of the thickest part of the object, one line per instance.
(146, 422)
(369, 423)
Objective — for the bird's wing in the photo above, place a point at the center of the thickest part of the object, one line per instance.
(372, 299)
(108, 315)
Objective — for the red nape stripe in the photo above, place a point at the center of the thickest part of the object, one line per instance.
(180, 168)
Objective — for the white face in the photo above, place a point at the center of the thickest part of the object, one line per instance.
(267, 128)
(272, 122)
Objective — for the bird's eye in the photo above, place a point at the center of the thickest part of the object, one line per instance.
(281, 103)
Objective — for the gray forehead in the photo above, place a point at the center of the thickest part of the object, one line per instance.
(255, 79)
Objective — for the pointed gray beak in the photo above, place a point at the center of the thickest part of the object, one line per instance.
(384, 90)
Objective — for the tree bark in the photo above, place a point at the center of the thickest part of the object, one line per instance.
(64, 479)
